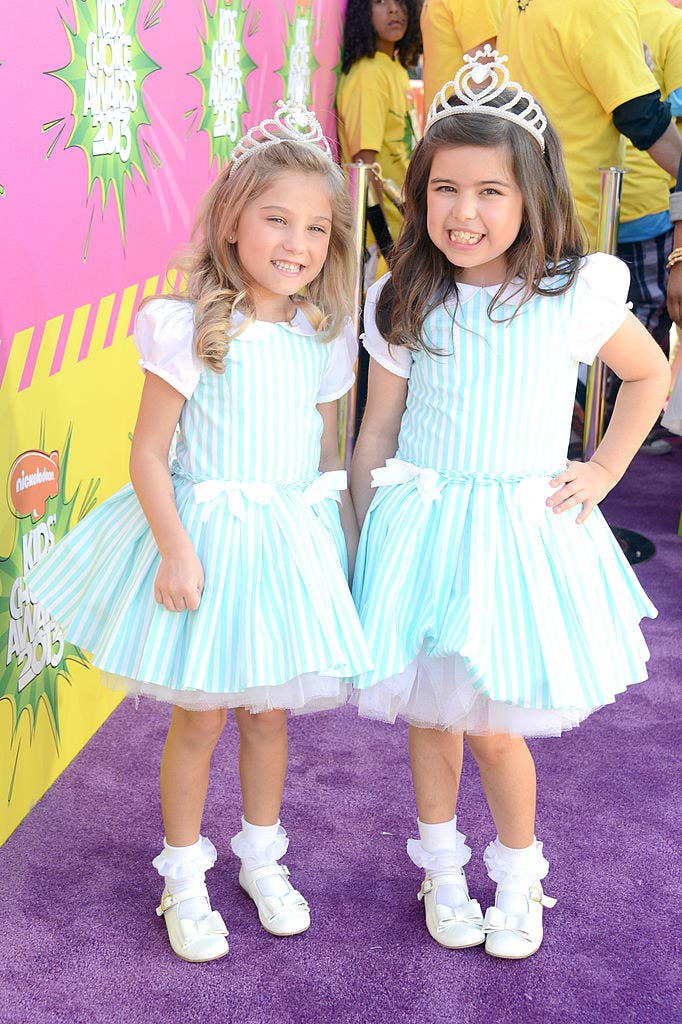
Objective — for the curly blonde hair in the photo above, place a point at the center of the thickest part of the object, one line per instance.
(213, 278)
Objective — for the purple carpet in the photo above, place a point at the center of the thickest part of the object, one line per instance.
(80, 941)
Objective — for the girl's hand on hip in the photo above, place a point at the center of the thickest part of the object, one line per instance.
(581, 483)
(179, 582)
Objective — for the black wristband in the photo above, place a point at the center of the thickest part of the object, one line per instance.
(643, 120)
(377, 222)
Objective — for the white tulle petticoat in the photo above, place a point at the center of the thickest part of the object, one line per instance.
(301, 695)
(438, 693)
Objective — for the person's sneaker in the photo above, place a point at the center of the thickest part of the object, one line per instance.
(656, 447)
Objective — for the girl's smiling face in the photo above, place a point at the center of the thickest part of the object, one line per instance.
(282, 239)
(474, 210)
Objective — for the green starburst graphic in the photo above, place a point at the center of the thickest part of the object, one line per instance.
(222, 76)
(105, 74)
(61, 513)
(299, 59)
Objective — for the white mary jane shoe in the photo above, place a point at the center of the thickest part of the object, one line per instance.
(514, 936)
(195, 941)
(288, 914)
(452, 927)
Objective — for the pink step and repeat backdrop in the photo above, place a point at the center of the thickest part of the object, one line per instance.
(117, 116)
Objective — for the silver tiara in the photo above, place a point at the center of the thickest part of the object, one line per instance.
(290, 122)
(476, 98)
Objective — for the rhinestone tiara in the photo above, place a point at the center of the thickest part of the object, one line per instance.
(290, 122)
(476, 98)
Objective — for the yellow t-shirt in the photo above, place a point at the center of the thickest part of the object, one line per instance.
(449, 29)
(580, 60)
(646, 186)
(373, 108)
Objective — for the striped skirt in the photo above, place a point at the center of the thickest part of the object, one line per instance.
(485, 612)
(276, 626)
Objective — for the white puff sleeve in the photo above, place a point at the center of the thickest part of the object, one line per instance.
(164, 337)
(397, 359)
(600, 304)
(338, 378)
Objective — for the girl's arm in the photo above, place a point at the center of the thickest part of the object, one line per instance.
(634, 355)
(180, 578)
(331, 460)
(378, 437)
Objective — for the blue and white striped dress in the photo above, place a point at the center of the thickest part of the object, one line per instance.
(276, 626)
(483, 609)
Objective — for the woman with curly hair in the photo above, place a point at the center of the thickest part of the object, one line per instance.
(381, 39)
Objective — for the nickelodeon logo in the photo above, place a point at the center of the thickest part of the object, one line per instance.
(33, 478)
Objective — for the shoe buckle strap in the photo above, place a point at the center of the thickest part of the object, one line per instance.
(536, 894)
(267, 870)
(426, 886)
(169, 900)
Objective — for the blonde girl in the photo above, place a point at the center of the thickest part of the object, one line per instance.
(227, 587)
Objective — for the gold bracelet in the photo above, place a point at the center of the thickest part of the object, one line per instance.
(388, 187)
(674, 257)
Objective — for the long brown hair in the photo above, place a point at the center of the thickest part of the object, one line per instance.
(545, 256)
(212, 276)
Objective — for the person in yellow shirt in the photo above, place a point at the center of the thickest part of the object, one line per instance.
(451, 28)
(585, 64)
(381, 39)
(645, 235)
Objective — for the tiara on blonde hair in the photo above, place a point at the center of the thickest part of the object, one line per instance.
(290, 122)
(477, 98)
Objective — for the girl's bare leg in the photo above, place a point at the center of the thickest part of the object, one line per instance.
(508, 777)
(436, 759)
(263, 752)
(185, 765)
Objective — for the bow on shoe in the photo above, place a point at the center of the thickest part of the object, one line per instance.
(469, 913)
(212, 924)
(518, 924)
(292, 900)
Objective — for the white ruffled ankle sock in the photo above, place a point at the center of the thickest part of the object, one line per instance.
(518, 868)
(260, 845)
(438, 838)
(182, 863)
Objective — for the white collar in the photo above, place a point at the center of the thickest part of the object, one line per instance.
(510, 296)
(299, 324)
